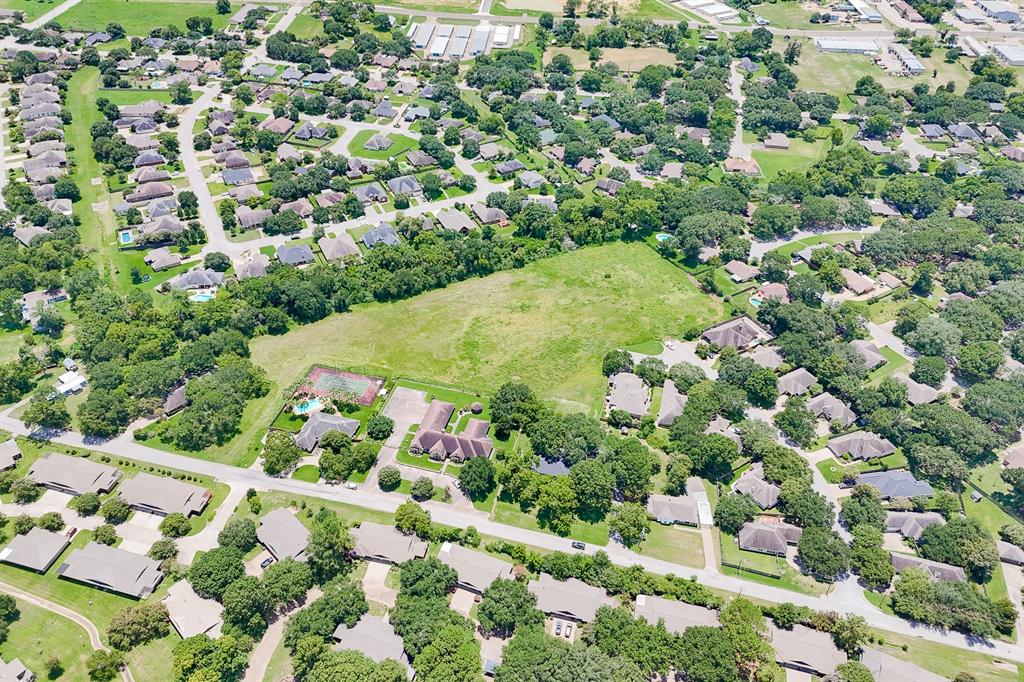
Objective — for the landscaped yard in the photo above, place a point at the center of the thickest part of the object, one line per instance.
(122, 97)
(401, 144)
(510, 325)
(306, 27)
(138, 17)
(308, 473)
(510, 513)
(893, 362)
(39, 634)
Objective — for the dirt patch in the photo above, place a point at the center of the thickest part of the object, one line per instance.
(636, 58)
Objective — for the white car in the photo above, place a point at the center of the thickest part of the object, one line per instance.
(568, 630)
(350, 485)
(670, 345)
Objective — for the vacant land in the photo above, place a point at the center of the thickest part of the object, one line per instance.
(548, 325)
(838, 73)
(39, 634)
(138, 17)
(466, 6)
(306, 27)
(32, 9)
(792, 15)
(135, 96)
(636, 58)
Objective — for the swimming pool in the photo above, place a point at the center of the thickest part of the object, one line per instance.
(661, 236)
(202, 298)
(755, 300)
(307, 406)
(125, 237)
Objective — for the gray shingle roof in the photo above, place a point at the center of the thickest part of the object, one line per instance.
(898, 483)
(36, 550)
(283, 535)
(75, 475)
(320, 423)
(113, 569)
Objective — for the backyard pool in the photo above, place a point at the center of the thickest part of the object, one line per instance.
(755, 300)
(661, 236)
(202, 298)
(125, 237)
(307, 406)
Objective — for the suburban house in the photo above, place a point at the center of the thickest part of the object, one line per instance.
(630, 394)
(896, 483)
(382, 234)
(570, 599)
(191, 614)
(374, 638)
(751, 482)
(672, 509)
(295, 255)
(769, 538)
(918, 393)
(283, 535)
(162, 495)
(767, 357)
(740, 272)
(909, 524)
(433, 439)
(805, 650)
(869, 352)
(36, 550)
(338, 248)
(1010, 553)
(676, 615)
(112, 569)
(377, 542)
(672, 404)
(830, 408)
(455, 221)
(14, 670)
(892, 669)
(10, 453)
(937, 570)
(797, 382)
(72, 475)
(476, 570)
(739, 333)
(862, 445)
(319, 423)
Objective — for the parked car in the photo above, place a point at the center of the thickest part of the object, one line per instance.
(558, 627)
(578, 545)
(266, 562)
(350, 485)
(568, 630)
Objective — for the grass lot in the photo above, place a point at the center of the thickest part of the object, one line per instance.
(351, 514)
(10, 342)
(791, 15)
(39, 634)
(510, 513)
(306, 27)
(401, 144)
(135, 96)
(946, 661)
(138, 17)
(461, 6)
(32, 9)
(837, 73)
(675, 544)
(636, 58)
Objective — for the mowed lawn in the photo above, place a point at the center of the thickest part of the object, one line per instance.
(139, 17)
(400, 144)
(39, 634)
(32, 9)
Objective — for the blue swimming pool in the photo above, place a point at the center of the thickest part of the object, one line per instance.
(307, 406)
(125, 237)
(202, 298)
(661, 236)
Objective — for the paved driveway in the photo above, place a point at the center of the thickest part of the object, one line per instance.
(375, 584)
(462, 601)
(406, 407)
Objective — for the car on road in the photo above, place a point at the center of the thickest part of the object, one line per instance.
(266, 562)
(578, 545)
(350, 485)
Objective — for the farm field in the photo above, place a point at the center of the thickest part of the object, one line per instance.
(138, 17)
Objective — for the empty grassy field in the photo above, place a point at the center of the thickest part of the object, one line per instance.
(138, 17)
(32, 9)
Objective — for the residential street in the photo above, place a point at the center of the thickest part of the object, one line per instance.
(841, 600)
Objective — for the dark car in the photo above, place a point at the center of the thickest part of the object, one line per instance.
(578, 545)
(266, 562)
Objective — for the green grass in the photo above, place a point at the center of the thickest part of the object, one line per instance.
(786, 576)
(10, 341)
(790, 15)
(351, 514)
(511, 514)
(675, 544)
(280, 666)
(799, 155)
(946, 661)
(460, 6)
(894, 362)
(401, 145)
(308, 473)
(306, 27)
(138, 17)
(122, 97)
(419, 461)
(832, 469)
(152, 662)
(39, 634)
(32, 9)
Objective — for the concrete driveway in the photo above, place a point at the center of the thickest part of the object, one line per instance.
(140, 532)
(252, 566)
(462, 601)
(375, 584)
